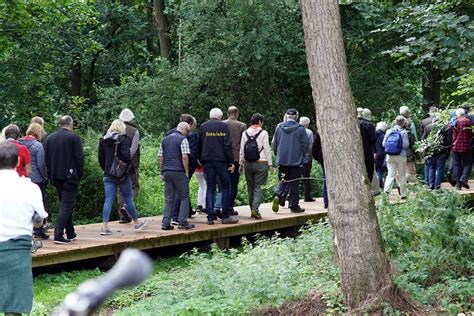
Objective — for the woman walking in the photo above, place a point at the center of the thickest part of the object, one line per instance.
(115, 143)
(256, 159)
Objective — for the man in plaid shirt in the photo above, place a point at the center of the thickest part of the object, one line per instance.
(461, 149)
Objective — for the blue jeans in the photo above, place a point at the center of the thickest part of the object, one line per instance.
(213, 169)
(218, 201)
(436, 170)
(427, 172)
(110, 188)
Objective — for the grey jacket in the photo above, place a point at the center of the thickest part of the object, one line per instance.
(290, 144)
(38, 166)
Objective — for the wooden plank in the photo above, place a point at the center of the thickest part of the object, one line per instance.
(90, 244)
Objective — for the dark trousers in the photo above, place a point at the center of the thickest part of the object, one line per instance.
(66, 193)
(291, 174)
(325, 190)
(135, 188)
(461, 165)
(213, 169)
(370, 166)
(42, 186)
(307, 182)
(234, 184)
(176, 182)
(436, 170)
(177, 201)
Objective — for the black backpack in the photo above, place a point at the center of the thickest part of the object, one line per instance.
(251, 152)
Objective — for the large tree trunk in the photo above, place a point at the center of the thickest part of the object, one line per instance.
(76, 79)
(162, 26)
(364, 267)
(431, 82)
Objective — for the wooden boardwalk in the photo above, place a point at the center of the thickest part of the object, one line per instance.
(90, 244)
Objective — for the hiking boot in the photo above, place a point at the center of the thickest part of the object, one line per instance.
(141, 225)
(61, 240)
(124, 218)
(230, 220)
(464, 184)
(105, 231)
(255, 214)
(297, 209)
(186, 226)
(40, 235)
(167, 227)
(451, 180)
(275, 204)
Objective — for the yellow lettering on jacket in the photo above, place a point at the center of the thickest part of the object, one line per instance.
(215, 134)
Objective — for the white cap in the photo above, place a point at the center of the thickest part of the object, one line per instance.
(126, 115)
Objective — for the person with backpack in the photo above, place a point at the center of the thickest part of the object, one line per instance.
(396, 144)
(256, 159)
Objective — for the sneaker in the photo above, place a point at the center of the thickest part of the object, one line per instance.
(105, 231)
(124, 218)
(310, 200)
(282, 201)
(141, 225)
(255, 214)
(464, 184)
(297, 209)
(210, 222)
(275, 203)
(186, 226)
(72, 237)
(451, 180)
(167, 227)
(35, 245)
(201, 210)
(191, 212)
(41, 235)
(174, 222)
(61, 240)
(230, 220)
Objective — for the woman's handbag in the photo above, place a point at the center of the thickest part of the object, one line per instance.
(119, 170)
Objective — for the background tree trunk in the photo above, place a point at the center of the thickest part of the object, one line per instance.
(364, 266)
(162, 26)
(431, 82)
(76, 79)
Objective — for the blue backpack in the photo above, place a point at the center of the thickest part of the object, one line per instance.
(394, 142)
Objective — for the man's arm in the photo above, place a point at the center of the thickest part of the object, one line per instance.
(134, 145)
(185, 160)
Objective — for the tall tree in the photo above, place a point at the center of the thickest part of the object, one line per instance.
(162, 26)
(364, 267)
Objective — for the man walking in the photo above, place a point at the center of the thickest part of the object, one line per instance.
(215, 153)
(133, 136)
(367, 131)
(309, 164)
(461, 149)
(65, 164)
(236, 129)
(290, 146)
(174, 161)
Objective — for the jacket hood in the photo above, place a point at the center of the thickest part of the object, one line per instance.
(289, 126)
(252, 130)
(110, 138)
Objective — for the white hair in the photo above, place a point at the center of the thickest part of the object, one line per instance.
(304, 121)
(359, 111)
(215, 113)
(404, 110)
(183, 126)
(367, 114)
(400, 121)
(126, 115)
(460, 112)
(381, 126)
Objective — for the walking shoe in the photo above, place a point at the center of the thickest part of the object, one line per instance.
(72, 237)
(297, 209)
(201, 210)
(233, 212)
(174, 222)
(275, 203)
(105, 231)
(124, 218)
(210, 222)
(141, 225)
(35, 245)
(255, 214)
(464, 184)
(191, 212)
(451, 180)
(310, 200)
(230, 220)
(218, 213)
(167, 227)
(186, 226)
(61, 240)
(41, 235)
(282, 200)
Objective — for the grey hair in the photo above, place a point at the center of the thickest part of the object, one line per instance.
(381, 126)
(359, 112)
(404, 110)
(126, 115)
(304, 120)
(66, 121)
(400, 120)
(367, 114)
(183, 126)
(460, 112)
(215, 113)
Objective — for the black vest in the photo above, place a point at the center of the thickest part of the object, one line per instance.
(172, 155)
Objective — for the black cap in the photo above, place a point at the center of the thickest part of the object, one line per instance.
(292, 111)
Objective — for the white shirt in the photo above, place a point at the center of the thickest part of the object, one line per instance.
(19, 199)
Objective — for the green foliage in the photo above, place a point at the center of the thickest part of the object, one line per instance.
(430, 239)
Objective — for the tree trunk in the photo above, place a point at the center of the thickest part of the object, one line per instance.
(431, 82)
(150, 45)
(364, 266)
(162, 26)
(76, 79)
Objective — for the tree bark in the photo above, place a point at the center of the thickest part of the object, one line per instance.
(162, 26)
(364, 266)
(76, 79)
(431, 82)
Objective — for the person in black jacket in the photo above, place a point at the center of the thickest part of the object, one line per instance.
(367, 131)
(380, 130)
(215, 153)
(317, 152)
(64, 159)
(115, 143)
